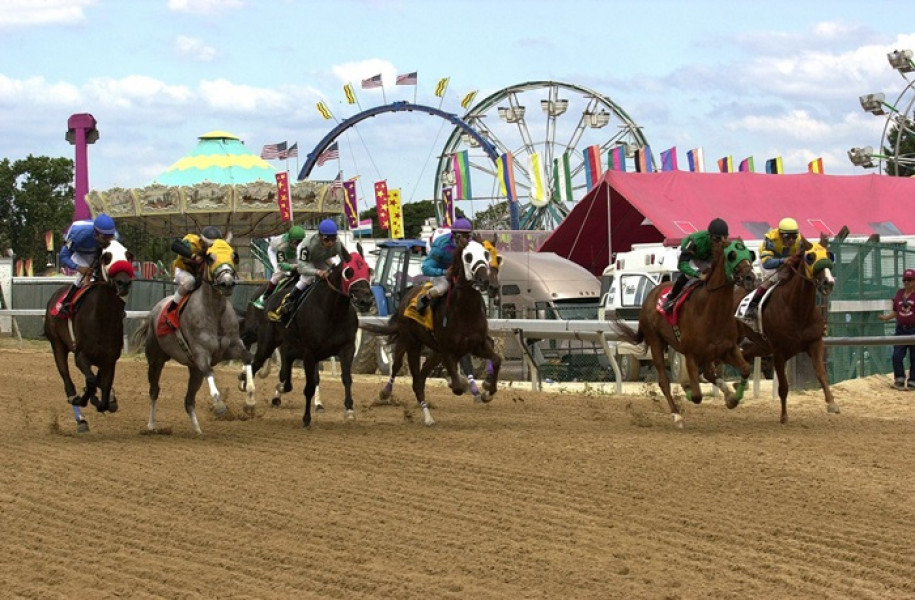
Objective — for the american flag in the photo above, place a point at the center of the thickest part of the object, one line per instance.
(338, 182)
(408, 79)
(372, 82)
(292, 152)
(273, 151)
(332, 152)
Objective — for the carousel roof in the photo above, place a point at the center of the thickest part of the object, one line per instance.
(219, 157)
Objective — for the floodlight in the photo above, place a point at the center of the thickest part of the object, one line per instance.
(901, 60)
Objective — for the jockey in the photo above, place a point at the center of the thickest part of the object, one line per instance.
(82, 246)
(777, 246)
(695, 257)
(439, 260)
(318, 255)
(281, 250)
(191, 250)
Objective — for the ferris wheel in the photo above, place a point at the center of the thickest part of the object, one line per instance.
(897, 143)
(539, 123)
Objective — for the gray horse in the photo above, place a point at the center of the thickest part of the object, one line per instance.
(208, 334)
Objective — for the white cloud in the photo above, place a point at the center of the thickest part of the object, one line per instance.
(32, 13)
(194, 49)
(221, 94)
(203, 7)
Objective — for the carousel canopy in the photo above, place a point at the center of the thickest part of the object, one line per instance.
(220, 182)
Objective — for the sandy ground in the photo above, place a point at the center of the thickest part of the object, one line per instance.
(536, 495)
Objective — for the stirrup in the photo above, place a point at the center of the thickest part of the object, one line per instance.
(258, 302)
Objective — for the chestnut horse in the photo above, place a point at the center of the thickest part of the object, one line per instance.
(790, 320)
(459, 327)
(705, 328)
(95, 333)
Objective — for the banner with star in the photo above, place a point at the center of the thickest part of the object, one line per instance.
(395, 214)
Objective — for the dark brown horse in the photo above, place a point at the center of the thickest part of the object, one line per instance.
(95, 333)
(459, 327)
(324, 325)
(790, 320)
(705, 327)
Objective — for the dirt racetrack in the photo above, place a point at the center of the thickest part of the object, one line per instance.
(536, 495)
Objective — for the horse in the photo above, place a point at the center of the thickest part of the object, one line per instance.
(791, 322)
(702, 328)
(95, 333)
(208, 334)
(324, 325)
(458, 327)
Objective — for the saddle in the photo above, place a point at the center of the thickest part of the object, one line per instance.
(74, 302)
(425, 319)
(168, 323)
(674, 315)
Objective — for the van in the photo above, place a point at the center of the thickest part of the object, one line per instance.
(544, 285)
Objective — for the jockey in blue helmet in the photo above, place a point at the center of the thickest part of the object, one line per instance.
(82, 247)
(440, 258)
(316, 257)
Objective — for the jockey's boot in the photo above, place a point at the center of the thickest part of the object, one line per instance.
(171, 313)
(287, 307)
(422, 303)
(753, 308)
(262, 299)
(674, 292)
(64, 309)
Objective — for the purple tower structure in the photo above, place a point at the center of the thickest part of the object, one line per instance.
(81, 132)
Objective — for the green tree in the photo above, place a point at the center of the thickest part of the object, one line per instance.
(36, 195)
(414, 216)
(905, 167)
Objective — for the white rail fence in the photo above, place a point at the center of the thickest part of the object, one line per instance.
(597, 332)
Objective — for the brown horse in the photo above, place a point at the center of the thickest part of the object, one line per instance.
(459, 327)
(791, 322)
(704, 329)
(95, 334)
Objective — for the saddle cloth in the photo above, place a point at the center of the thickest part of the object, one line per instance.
(164, 324)
(740, 313)
(674, 315)
(77, 296)
(411, 312)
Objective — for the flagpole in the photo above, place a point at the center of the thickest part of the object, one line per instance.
(383, 95)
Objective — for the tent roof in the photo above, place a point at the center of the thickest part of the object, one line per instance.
(666, 207)
(219, 157)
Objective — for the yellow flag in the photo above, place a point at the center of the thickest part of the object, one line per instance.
(325, 112)
(468, 99)
(395, 214)
(441, 86)
(350, 94)
(538, 181)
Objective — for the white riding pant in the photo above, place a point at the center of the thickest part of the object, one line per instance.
(439, 287)
(83, 260)
(185, 281)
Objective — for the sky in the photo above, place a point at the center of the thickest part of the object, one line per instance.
(740, 79)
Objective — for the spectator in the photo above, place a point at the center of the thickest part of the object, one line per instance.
(904, 313)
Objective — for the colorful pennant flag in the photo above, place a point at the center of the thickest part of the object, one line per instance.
(746, 165)
(506, 175)
(49, 240)
(350, 93)
(395, 214)
(592, 166)
(815, 166)
(468, 99)
(616, 158)
(562, 179)
(350, 204)
(669, 159)
(461, 167)
(325, 112)
(774, 166)
(381, 203)
(441, 86)
(726, 164)
(364, 229)
(282, 196)
(332, 152)
(643, 162)
(696, 159)
(447, 207)
(538, 181)
(272, 151)
(372, 82)
(408, 79)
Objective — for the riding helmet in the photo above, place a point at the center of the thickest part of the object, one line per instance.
(718, 227)
(296, 234)
(104, 224)
(787, 225)
(462, 226)
(327, 227)
(211, 233)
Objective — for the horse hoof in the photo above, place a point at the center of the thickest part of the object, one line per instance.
(99, 406)
(250, 409)
(319, 407)
(306, 423)
(486, 398)
(82, 426)
(695, 399)
(113, 406)
(276, 402)
(833, 408)
(220, 409)
(349, 415)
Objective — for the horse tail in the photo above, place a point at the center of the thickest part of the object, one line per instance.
(139, 336)
(634, 337)
(389, 329)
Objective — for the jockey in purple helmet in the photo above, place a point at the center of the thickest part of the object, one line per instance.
(317, 256)
(82, 247)
(439, 259)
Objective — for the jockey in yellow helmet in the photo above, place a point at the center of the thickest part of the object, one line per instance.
(777, 246)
